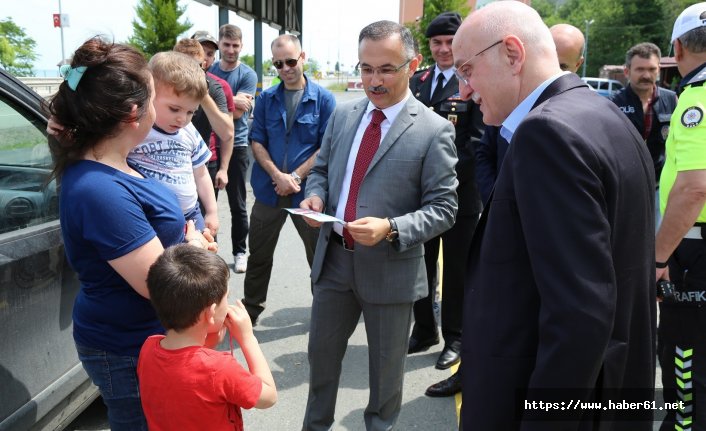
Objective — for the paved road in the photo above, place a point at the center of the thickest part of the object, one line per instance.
(283, 332)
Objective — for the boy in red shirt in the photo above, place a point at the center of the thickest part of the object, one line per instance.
(184, 383)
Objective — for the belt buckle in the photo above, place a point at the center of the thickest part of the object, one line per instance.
(345, 246)
(340, 239)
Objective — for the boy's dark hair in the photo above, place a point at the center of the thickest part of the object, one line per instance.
(183, 282)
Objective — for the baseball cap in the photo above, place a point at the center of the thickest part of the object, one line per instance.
(204, 36)
(692, 17)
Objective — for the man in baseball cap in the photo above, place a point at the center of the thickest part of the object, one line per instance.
(209, 44)
(680, 244)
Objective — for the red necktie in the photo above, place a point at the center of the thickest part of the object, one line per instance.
(368, 146)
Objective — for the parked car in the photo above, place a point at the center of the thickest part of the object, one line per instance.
(42, 383)
(604, 87)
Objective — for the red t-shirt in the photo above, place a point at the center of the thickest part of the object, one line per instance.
(213, 139)
(193, 388)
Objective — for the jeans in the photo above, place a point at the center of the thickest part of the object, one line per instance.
(116, 378)
(235, 189)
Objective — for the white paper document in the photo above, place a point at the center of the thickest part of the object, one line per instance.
(314, 215)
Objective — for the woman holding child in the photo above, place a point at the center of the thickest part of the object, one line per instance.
(115, 221)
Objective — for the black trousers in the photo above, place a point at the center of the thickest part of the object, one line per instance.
(456, 245)
(681, 338)
(237, 194)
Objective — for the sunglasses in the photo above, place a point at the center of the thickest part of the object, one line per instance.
(290, 62)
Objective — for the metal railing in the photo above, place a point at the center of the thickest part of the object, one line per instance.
(45, 87)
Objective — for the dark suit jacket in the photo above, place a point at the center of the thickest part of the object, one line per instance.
(468, 123)
(560, 288)
(490, 153)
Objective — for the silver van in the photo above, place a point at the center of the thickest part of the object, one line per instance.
(604, 87)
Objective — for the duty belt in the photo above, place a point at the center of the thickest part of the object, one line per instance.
(696, 232)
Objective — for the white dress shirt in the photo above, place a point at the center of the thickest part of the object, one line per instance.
(390, 115)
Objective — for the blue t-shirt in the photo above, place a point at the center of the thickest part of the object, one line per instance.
(242, 79)
(106, 214)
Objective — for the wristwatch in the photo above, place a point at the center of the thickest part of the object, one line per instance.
(297, 178)
(393, 234)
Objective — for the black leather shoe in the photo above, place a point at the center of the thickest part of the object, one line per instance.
(445, 388)
(416, 345)
(448, 357)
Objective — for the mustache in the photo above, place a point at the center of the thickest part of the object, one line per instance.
(378, 89)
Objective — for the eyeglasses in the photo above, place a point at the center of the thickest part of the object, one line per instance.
(290, 62)
(465, 75)
(366, 70)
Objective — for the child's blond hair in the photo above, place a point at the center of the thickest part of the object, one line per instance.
(180, 72)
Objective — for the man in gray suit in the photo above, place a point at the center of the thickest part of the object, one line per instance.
(386, 166)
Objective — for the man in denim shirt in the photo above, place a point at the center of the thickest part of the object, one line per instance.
(289, 122)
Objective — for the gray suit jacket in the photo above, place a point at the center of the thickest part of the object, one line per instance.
(411, 179)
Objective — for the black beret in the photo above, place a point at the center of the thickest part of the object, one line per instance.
(445, 24)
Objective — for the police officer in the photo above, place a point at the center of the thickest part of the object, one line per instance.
(437, 88)
(648, 106)
(680, 249)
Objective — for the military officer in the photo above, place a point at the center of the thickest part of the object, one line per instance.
(437, 88)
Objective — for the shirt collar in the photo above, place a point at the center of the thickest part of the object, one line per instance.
(520, 112)
(391, 111)
(691, 77)
(448, 73)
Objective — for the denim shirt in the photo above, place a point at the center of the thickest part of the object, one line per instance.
(288, 150)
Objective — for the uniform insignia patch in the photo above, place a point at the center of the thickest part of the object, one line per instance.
(453, 118)
(692, 117)
(665, 132)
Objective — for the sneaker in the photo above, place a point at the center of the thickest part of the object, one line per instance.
(241, 263)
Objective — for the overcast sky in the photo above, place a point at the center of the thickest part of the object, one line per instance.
(330, 27)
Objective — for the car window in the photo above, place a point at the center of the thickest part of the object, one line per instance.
(25, 164)
(592, 83)
(603, 85)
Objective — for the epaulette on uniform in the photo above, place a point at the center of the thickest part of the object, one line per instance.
(423, 72)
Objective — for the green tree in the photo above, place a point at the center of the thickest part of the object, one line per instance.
(672, 9)
(432, 8)
(311, 66)
(267, 66)
(617, 25)
(248, 59)
(17, 53)
(157, 26)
